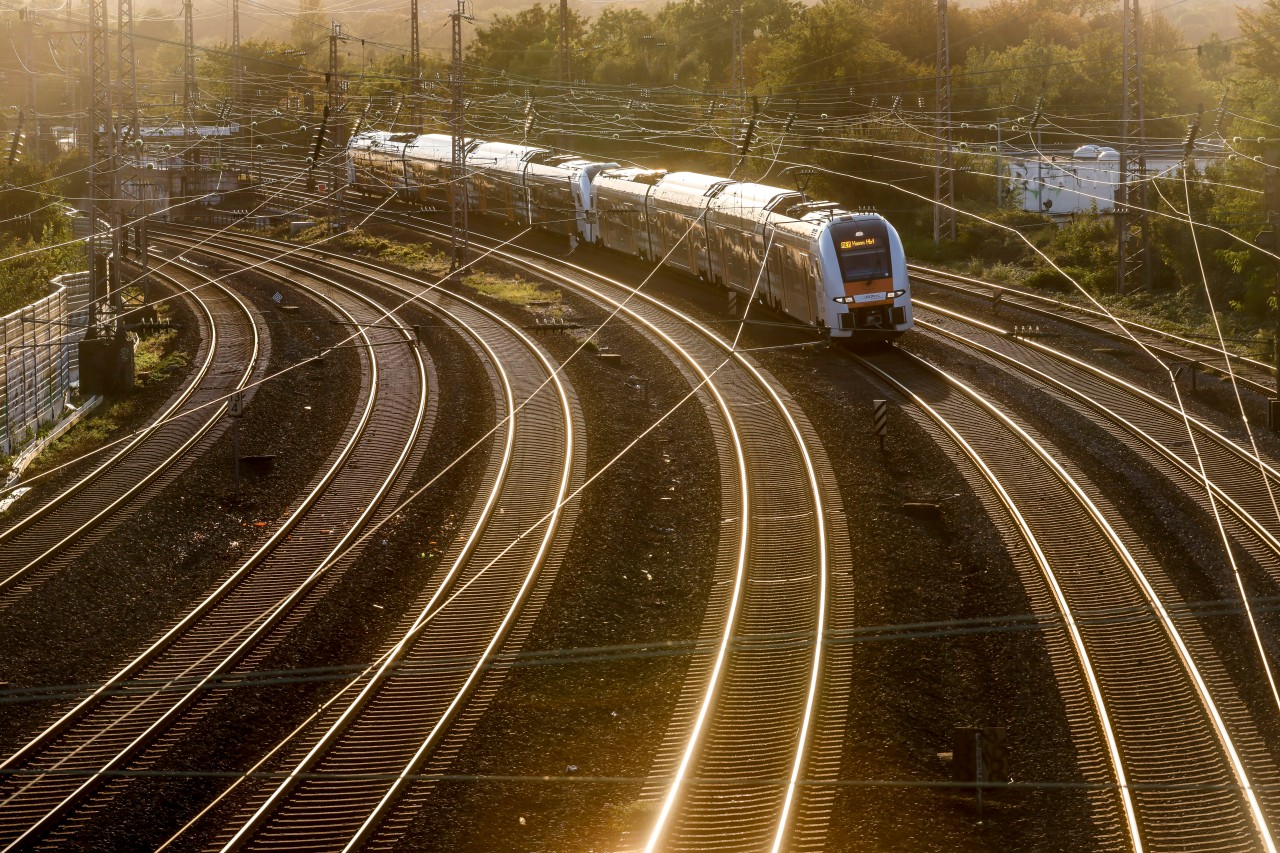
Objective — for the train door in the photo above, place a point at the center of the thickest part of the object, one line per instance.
(772, 284)
(718, 253)
(813, 290)
(797, 282)
(632, 222)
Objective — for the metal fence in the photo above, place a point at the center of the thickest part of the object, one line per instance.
(39, 361)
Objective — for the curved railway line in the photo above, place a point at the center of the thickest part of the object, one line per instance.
(49, 536)
(1173, 753)
(434, 678)
(1217, 747)
(1193, 453)
(1249, 372)
(64, 771)
(1182, 763)
(752, 721)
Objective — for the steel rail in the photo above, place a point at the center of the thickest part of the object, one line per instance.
(1051, 579)
(370, 824)
(1100, 322)
(204, 659)
(37, 524)
(1166, 623)
(542, 265)
(1229, 495)
(376, 680)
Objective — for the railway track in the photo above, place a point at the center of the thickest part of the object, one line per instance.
(434, 678)
(55, 783)
(752, 720)
(1249, 372)
(53, 534)
(1191, 452)
(1161, 726)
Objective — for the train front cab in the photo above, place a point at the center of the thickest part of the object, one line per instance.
(865, 280)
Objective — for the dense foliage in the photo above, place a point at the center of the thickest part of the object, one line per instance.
(841, 64)
(34, 231)
(656, 83)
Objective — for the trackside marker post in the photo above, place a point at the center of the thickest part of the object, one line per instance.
(880, 419)
(235, 408)
(980, 757)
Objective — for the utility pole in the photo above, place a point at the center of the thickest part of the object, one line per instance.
(564, 72)
(102, 161)
(944, 185)
(28, 18)
(1133, 231)
(739, 70)
(237, 72)
(1220, 116)
(1271, 204)
(336, 98)
(457, 114)
(130, 200)
(74, 59)
(415, 71)
(190, 95)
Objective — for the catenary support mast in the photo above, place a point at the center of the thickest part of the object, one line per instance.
(944, 192)
(1133, 231)
(457, 127)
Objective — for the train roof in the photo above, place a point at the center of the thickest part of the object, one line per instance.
(503, 154)
(635, 175)
(435, 146)
(747, 197)
(692, 183)
(370, 139)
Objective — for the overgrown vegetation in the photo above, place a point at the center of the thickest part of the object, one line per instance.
(418, 257)
(513, 289)
(34, 226)
(157, 358)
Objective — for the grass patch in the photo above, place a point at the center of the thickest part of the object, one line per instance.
(516, 290)
(86, 436)
(412, 256)
(155, 356)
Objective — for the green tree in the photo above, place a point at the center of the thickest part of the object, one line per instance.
(309, 32)
(1260, 35)
(526, 44)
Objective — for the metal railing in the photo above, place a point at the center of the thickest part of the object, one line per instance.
(39, 359)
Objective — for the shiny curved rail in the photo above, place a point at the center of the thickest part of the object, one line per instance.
(1160, 719)
(1249, 372)
(1246, 485)
(756, 711)
(231, 355)
(111, 727)
(394, 721)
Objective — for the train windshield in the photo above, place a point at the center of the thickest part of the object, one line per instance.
(863, 250)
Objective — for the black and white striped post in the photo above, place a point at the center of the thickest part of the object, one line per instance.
(880, 419)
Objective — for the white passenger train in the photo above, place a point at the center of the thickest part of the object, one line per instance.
(840, 271)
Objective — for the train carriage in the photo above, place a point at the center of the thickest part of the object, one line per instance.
(622, 205)
(376, 165)
(495, 174)
(837, 270)
(428, 164)
(677, 210)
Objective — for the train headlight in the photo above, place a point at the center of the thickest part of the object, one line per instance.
(895, 294)
(844, 300)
